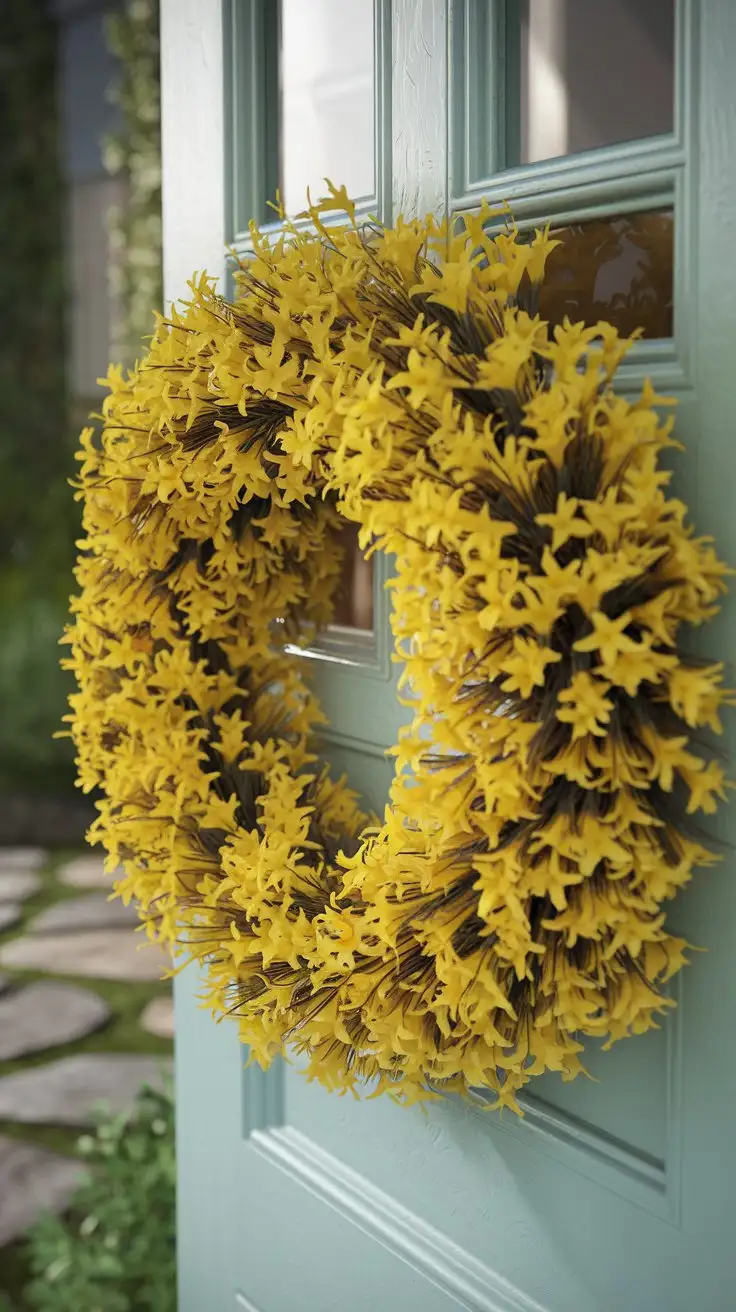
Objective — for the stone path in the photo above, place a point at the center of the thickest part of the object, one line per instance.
(21, 858)
(88, 936)
(45, 1015)
(17, 885)
(67, 1092)
(91, 911)
(86, 872)
(95, 953)
(158, 1017)
(33, 1180)
(9, 915)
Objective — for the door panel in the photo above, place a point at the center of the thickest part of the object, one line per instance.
(612, 1194)
(626, 1095)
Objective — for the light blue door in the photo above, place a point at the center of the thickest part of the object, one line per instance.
(615, 119)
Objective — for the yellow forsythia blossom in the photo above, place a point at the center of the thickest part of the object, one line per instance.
(511, 903)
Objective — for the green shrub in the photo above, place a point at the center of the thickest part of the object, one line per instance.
(38, 518)
(115, 1250)
(134, 153)
(33, 690)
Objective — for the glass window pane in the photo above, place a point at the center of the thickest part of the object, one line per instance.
(593, 73)
(327, 98)
(354, 596)
(618, 269)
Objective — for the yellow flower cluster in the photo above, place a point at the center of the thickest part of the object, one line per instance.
(511, 903)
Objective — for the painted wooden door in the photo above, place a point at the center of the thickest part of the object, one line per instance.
(616, 120)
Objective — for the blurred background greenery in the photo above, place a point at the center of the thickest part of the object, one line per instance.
(80, 213)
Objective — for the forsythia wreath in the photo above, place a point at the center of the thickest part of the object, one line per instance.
(542, 810)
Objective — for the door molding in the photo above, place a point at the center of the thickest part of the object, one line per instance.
(468, 1281)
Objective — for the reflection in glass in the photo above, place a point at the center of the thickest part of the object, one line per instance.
(354, 595)
(593, 73)
(327, 98)
(618, 269)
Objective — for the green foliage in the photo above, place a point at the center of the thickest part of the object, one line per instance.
(33, 454)
(37, 513)
(34, 601)
(33, 690)
(38, 517)
(135, 154)
(115, 1252)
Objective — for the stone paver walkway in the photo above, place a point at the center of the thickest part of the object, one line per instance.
(32, 1180)
(158, 1017)
(96, 954)
(9, 915)
(84, 936)
(17, 885)
(86, 872)
(22, 858)
(46, 1015)
(67, 1092)
(90, 911)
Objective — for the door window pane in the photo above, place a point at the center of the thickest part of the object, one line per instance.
(619, 269)
(354, 595)
(327, 89)
(593, 73)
